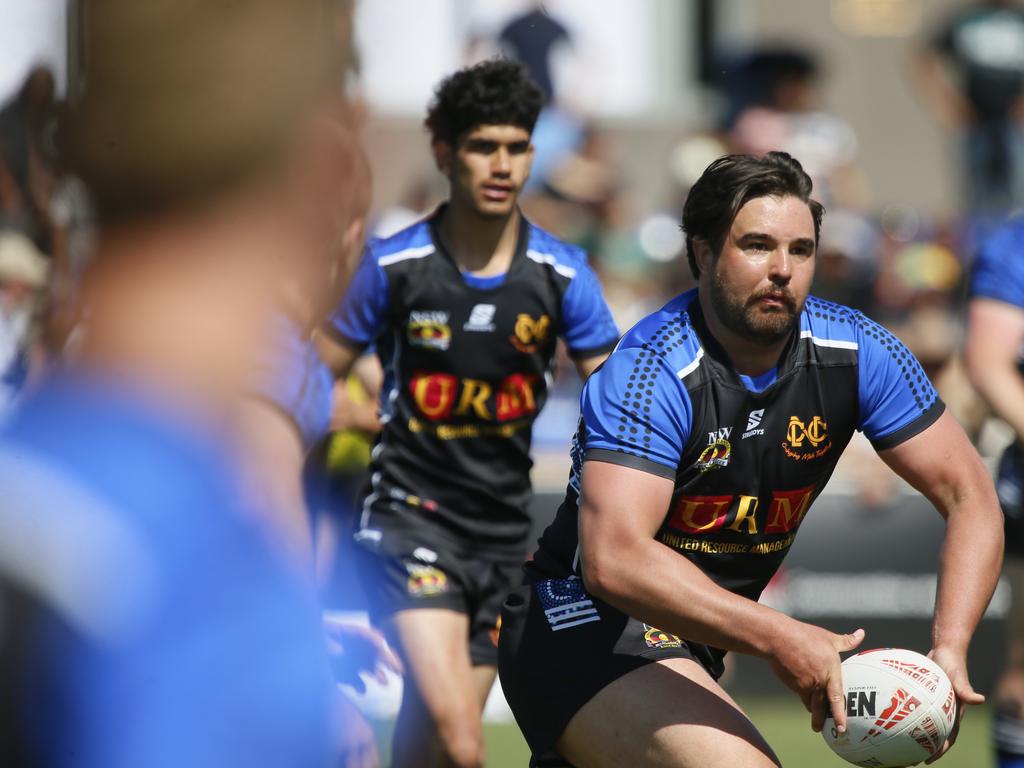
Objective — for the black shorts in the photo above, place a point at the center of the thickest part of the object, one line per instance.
(409, 567)
(559, 647)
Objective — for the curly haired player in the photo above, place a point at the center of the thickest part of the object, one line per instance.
(465, 308)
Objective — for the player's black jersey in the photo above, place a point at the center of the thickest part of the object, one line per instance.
(747, 456)
(466, 365)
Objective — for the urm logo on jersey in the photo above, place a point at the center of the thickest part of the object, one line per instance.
(440, 396)
(704, 514)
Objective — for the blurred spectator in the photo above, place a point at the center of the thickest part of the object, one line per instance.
(932, 333)
(26, 180)
(534, 38)
(971, 77)
(419, 198)
(545, 46)
(847, 260)
(23, 273)
(786, 116)
(74, 237)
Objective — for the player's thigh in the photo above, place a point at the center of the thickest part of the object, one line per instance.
(438, 672)
(671, 713)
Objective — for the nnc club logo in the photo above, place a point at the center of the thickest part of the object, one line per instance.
(528, 333)
(806, 440)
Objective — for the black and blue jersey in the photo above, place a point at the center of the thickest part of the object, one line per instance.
(467, 365)
(747, 456)
(998, 273)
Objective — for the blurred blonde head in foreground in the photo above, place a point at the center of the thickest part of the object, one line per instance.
(199, 129)
(224, 196)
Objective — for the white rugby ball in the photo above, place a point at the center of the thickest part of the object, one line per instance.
(900, 708)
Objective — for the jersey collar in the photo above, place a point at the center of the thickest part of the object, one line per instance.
(721, 364)
(522, 239)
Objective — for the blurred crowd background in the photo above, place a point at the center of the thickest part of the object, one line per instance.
(909, 115)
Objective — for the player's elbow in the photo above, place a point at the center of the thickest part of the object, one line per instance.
(600, 572)
(976, 367)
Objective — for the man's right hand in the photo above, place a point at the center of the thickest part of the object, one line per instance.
(806, 658)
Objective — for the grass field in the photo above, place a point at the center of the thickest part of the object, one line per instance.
(787, 727)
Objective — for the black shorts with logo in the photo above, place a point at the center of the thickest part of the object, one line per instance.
(411, 566)
(559, 647)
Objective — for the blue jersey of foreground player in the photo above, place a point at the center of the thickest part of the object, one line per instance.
(747, 456)
(170, 635)
(998, 268)
(998, 274)
(292, 377)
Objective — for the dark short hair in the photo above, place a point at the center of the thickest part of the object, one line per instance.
(494, 92)
(731, 182)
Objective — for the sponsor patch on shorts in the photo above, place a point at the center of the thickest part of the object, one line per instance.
(425, 580)
(656, 638)
(566, 604)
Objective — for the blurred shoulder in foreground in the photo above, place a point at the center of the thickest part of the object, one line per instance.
(154, 626)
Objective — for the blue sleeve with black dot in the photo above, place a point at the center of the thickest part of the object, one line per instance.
(636, 412)
(998, 269)
(896, 398)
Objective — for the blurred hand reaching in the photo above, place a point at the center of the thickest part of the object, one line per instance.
(356, 650)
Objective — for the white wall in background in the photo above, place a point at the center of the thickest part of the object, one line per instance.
(407, 46)
(31, 32)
